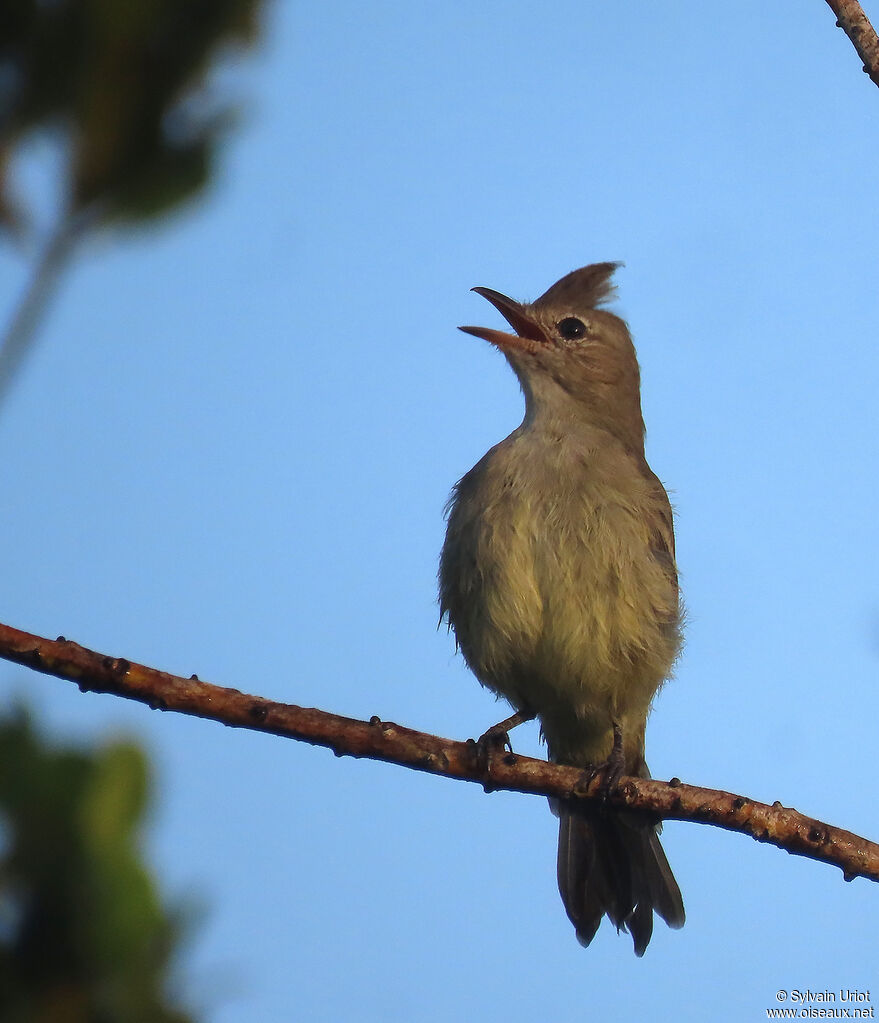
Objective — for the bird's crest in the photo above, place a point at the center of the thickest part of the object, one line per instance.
(586, 288)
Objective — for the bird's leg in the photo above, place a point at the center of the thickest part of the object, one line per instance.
(497, 737)
(502, 728)
(615, 765)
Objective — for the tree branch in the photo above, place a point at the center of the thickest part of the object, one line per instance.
(19, 336)
(851, 19)
(392, 743)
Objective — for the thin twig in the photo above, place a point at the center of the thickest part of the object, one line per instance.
(21, 332)
(25, 321)
(384, 740)
(851, 19)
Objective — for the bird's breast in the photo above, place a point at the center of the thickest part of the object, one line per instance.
(550, 578)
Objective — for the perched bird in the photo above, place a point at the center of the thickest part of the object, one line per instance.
(558, 577)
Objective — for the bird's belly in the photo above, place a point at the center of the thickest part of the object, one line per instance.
(572, 617)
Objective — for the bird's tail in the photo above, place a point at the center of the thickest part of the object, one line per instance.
(612, 863)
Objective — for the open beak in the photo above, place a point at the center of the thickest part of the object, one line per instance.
(529, 334)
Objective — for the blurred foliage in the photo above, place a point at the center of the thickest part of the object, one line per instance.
(123, 85)
(119, 81)
(83, 935)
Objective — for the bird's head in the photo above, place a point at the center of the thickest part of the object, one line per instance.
(575, 361)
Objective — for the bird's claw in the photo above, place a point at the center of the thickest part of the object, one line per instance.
(492, 741)
(608, 773)
(497, 739)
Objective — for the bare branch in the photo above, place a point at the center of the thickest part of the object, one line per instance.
(384, 740)
(851, 19)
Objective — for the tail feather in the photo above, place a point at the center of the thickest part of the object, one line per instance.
(664, 891)
(614, 865)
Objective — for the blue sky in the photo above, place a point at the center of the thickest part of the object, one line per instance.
(230, 452)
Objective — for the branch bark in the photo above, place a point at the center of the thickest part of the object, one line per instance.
(851, 19)
(383, 740)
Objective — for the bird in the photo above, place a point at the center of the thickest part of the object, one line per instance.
(559, 580)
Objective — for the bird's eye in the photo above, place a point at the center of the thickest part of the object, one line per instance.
(571, 328)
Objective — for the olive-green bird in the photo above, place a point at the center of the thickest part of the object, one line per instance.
(558, 576)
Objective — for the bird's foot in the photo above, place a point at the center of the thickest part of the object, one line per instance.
(610, 772)
(497, 738)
